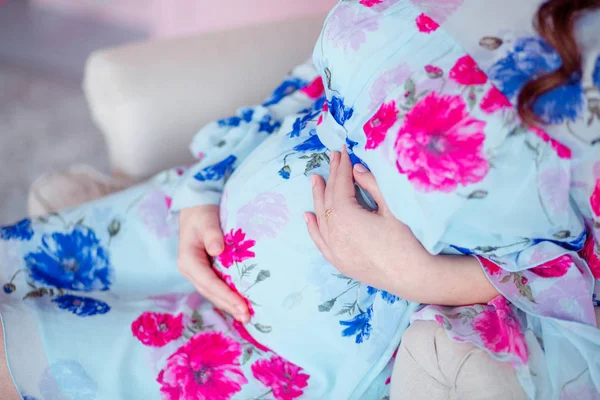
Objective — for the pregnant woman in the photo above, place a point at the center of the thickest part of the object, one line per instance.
(418, 208)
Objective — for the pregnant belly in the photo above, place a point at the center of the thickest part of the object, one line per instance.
(303, 309)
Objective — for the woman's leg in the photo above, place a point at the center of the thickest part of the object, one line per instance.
(7, 388)
(431, 366)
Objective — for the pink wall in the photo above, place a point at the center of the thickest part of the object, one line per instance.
(165, 18)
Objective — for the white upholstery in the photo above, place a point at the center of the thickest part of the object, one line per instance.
(150, 98)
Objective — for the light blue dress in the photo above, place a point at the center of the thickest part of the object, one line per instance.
(93, 306)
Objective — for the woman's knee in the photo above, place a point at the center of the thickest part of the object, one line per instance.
(430, 365)
(416, 374)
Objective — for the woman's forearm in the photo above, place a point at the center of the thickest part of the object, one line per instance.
(451, 281)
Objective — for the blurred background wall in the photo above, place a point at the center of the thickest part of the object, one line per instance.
(44, 122)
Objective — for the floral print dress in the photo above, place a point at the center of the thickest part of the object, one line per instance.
(422, 93)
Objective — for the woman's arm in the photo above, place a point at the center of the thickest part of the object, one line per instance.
(453, 281)
(377, 249)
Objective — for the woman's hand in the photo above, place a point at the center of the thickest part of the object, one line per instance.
(377, 249)
(200, 238)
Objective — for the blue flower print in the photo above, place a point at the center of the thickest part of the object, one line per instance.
(66, 379)
(564, 102)
(359, 326)
(531, 58)
(8, 288)
(385, 296)
(20, 231)
(287, 87)
(81, 306)
(245, 116)
(29, 398)
(217, 171)
(463, 250)
(596, 74)
(571, 245)
(268, 124)
(285, 172)
(311, 144)
(595, 300)
(354, 159)
(319, 103)
(301, 122)
(339, 111)
(73, 261)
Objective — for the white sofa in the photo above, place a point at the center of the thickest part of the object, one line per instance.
(150, 98)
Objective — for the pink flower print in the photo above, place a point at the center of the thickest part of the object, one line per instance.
(285, 379)
(491, 267)
(434, 72)
(154, 213)
(591, 254)
(561, 150)
(348, 27)
(229, 281)
(324, 110)
(387, 82)
(315, 89)
(206, 367)
(265, 216)
(493, 101)
(377, 5)
(237, 248)
(500, 330)
(554, 268)
(595, 199)
(156, 329)
(377, 127)
(370, 3)
(388, 380)
(426, 24)
(438, 10)
(244, 334)
(440, 320)
(440, 146)
(467, 72)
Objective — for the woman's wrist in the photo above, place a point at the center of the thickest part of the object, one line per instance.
(445, 280)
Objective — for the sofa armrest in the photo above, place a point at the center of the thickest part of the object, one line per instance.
(150, 98)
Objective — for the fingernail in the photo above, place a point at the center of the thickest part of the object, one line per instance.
(214, 248)
(360, 168)
(313, 180)
(243, 318)
(305, 218)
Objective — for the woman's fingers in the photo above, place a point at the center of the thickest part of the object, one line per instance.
(209, 285)
(209, 224)
(318, 189)
(200, 230)
(366, 180)
(344, 182)
(316, 236)
(334, 162)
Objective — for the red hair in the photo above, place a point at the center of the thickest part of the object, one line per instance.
(555, 22)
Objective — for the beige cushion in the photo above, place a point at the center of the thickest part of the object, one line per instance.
(150, 98)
